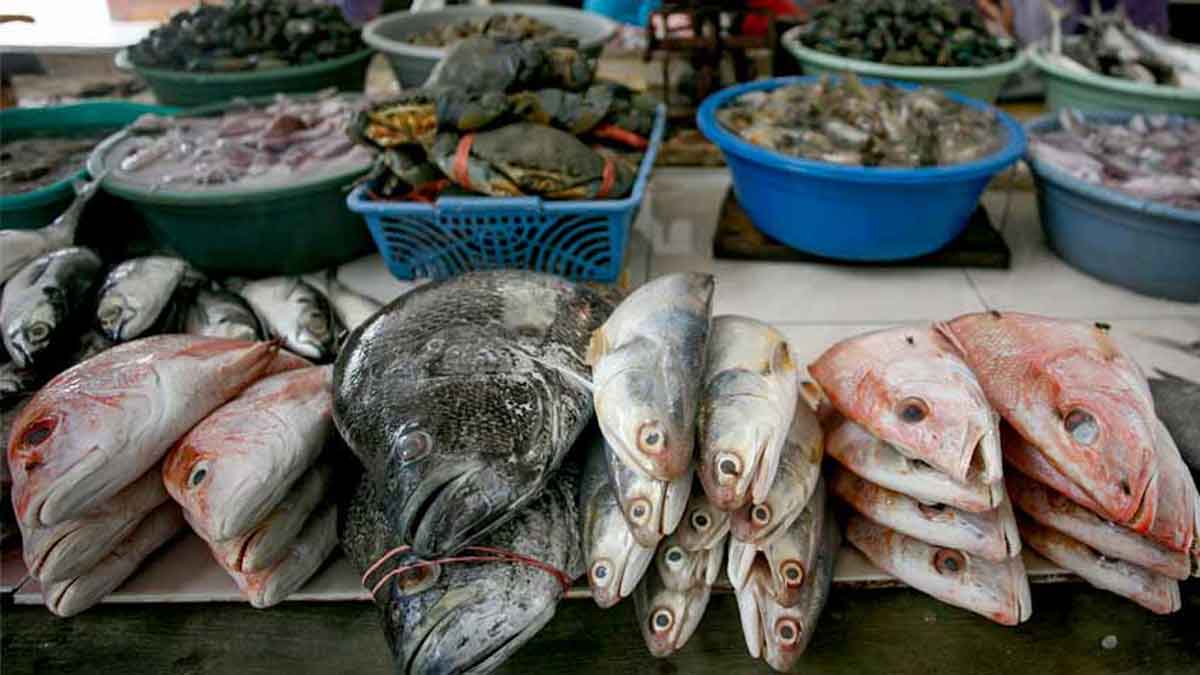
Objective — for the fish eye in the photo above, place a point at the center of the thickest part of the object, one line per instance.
(37, 433)
(912, 410)
(199, 473)
(788, 631)
(639, 511)
(600, 573)
(931, 510)
(662, 620)
(675, 556)
(948, 561)
(761, 514)
(37, 332)
(651, 438)
(729, 467)
(1082, 426)
(793, 573)
(414, 445)
(700, 520)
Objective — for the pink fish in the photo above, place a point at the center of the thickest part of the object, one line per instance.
(101, 424)
(1066, 387)
(909, 387)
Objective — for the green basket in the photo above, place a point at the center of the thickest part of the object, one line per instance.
(300, 228)
(1092, 92)
(39, 207)
(345, 73)
(983, 83)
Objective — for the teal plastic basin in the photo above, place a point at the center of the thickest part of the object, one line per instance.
(1092, 92)
(37, 208)
(983, 83)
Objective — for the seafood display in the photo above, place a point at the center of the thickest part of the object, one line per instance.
(290, 139)
(247, 35)
(136, 292)
(18, 248)
(495, 26)
(30, 163)
(1151, 157)
(911, 33)
(1113, 46)
(842, 121)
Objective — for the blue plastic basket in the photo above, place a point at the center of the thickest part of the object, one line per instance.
(580, 240)
(850, 212)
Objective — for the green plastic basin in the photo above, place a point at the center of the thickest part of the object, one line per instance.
(983, 82)
(300, 228)
(345, 73)
(1092, 92)
(37, 208)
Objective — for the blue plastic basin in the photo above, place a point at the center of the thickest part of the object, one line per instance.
(1145, 246)
(854, 213)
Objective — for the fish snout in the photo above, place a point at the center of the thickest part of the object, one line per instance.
(113, 315)
(455, 512)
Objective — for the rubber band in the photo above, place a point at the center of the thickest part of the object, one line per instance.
(492, 555)
(461, 175)
(607, 178)
(615, 133)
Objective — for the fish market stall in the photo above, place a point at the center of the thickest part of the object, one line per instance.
(454, 378)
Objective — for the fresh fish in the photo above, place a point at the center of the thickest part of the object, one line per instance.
(70, 549)
(1176, 401)
(991, 535)
(16, 382)
(136, 293)
(41, 299)
(101, 424)
(647, 362)
(668, 617)
(908, 387)
(462, 397)
(1067, 388)
(681, 569)
(72, 596)
(652, 508)
(301, 560)
(704, 528)
(878, 462)
(789, 558)
(1155, 592)
(468, 618)
(1056, 512)
(292, 310)
(18, 248)
(999, 591)
(221, 313)
(234, 467)
(746, 410)
(351, 307)
(615, 559)
(267, 542)
(796, 479)
(777, 633)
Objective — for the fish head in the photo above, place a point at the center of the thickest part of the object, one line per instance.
(796, 479)
(31, 336)
(117, 314)
(652, 508)
(774, 632)
(211, 487)
(908, 387)
(644, 412)
(668, 617)
(678, 567)
(615, 560)
(313, 335)
(703, 525)
(742, 429)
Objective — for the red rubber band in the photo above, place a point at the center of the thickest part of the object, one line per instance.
(607, 178)
(615, 133)
(461, 155)
(492, 555)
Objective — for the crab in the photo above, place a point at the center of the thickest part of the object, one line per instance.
(481, 64)
(414, 117)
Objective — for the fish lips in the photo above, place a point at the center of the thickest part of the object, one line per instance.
(452, 507)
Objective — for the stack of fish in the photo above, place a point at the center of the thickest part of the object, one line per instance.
(1102, 486)
(251, 485)
(920, 465)
(84, 450)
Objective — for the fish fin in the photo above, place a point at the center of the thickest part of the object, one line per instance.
(781, 359)
(598, 346)
(943, 328)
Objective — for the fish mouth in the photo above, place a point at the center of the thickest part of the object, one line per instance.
(441, 520)
(20, 354)
(432, 656)
(40, 564)
(65, 498)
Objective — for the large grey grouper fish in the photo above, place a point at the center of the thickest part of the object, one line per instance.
(462, 397)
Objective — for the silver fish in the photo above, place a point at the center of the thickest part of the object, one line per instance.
(221, 313)
(746, 410)
(41, 299)
(668, 616)
(70, 549)
(16, 382)
(72, 596)
(351, 307)
(292, 310)
(647, 363)
(652, 508)
(789, 558)
(18, 248)
(136, 293)
(779, 634)
(91, 343)
(704, 527)
(616, 561)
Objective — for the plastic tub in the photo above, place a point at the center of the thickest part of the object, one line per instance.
(412, 63)
(1145, 246)
(175, 87)
(854, 213)
(581, 240)
(37, 208)
(1092, 92)
(300, 228)
(983, 83)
